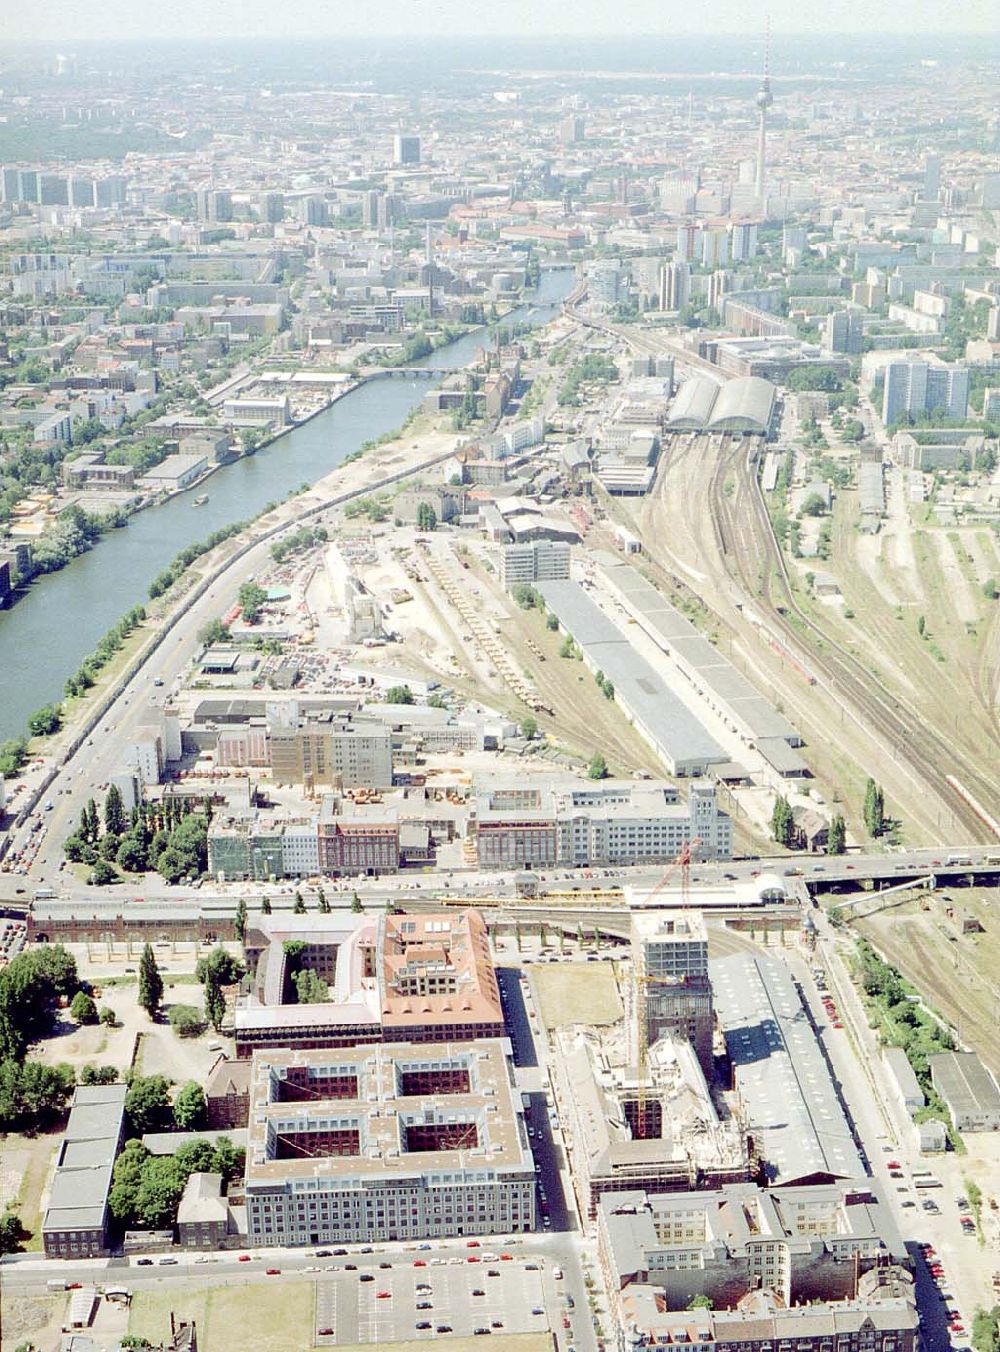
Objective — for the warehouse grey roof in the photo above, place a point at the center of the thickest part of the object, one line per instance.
(964, 1082)
(682, 741)
(753, 716)
(744, 405)
(693, 404)
(78, 1197)
(780, 1072)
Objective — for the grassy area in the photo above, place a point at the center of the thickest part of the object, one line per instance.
(572, 994)
(280, 1313)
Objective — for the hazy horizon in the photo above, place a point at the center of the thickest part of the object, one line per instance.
(56, 21)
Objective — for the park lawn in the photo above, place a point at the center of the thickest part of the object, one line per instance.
(278, 1311)
(577, 993)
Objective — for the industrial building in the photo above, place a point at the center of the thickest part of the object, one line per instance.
(968, 1089)
(719, 683)
(804, 1244)
(661, 717)
(377, 1144)
(745, 404)
(782, 1081)
(421, 978)
(567, 822)
(75, 1224)
(319, 747)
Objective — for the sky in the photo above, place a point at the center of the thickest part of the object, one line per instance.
(64, 21)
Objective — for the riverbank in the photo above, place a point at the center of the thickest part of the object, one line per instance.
(52, 629)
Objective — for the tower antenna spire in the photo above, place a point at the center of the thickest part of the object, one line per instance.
(764, 100)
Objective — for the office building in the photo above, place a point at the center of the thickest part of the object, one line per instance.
(844, 332)
(672, 990)
(534, 561)
(326, 750)
(214, 206)
(379, 1144)
(675, 286)
(932, 178)
(566, 822)
(803, 1244)
(914, 386)
(406, 149)
(413, 978)
(882, 1318)
(272, 207)
(571, 130)
(743, 241)
(76, 1222)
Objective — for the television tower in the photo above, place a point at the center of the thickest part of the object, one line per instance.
(764, 100)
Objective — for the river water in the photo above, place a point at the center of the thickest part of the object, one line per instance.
(45, 636)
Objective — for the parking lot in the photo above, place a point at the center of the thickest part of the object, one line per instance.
(429, 1298)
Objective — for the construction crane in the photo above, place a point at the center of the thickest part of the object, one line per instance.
(682, 862)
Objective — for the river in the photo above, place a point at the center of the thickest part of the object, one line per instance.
(45, 636)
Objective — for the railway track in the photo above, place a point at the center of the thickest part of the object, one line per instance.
(752, 553)
(754, 560)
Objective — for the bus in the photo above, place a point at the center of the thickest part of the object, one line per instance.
(925, 1179)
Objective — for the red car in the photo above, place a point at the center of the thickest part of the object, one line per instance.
(244, 1258)
(419, 1262)
(473, 1258)
(472, 1243)
(566, 1323)
(506, 1258)
(273, 1272)
(894, 1164)
(384, 1295)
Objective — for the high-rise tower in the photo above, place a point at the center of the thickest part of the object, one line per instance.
(764, 100)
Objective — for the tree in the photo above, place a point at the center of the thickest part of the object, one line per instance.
(598, 767)
(814, 505)
(310, 988)
(30, 986)
(552, 622)
(782, 822)
(213, 632)
(32, 1095)
(921, 625)
(147, 1104)
(399, 694)
(700, 1302)
(324, 905)
(529, 727)
(240, 920)
(990, 589)
(874, 809)
(83, 1010)
(125, 1181)
(853, 430)
(103, 873)
(836, 841)
(356, 905)
(190, 1107)
(159, 1192)
(99, 1075)
(426, 516)
(219, 966)
(567, 648)
(45, 721)
(252, 599)
(215, 1004)
(131, 855)
(265, 906)
(150, 983)
(186, 1020)
(12, 1234)
(115, 818)
(108, 1017)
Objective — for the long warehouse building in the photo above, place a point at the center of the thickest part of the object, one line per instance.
(683, 744)
(723, 686)
(784, 1085)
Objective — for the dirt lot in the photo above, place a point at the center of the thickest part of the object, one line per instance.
(958, 973)
(30, 1317)
(278, 1312)
(576, 994)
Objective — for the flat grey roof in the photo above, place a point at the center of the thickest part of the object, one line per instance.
(780, 1072)
(81, 1183)
(964, 1082)
(713, 671)
(683, 742)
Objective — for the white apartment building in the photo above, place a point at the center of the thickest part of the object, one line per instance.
(535, 561)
